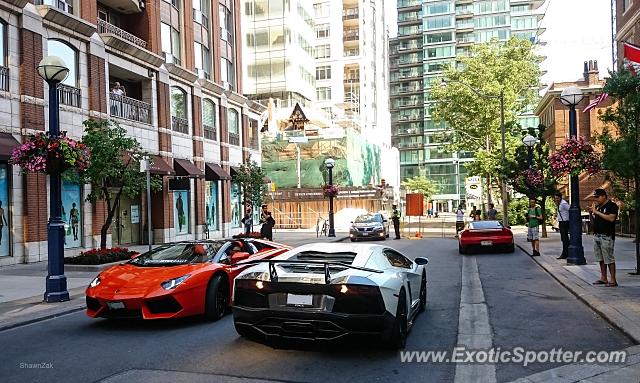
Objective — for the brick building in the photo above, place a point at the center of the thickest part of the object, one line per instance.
(180, 68)
(555, 116)
(627, 24)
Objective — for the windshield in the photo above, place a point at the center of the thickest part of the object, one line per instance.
(485, 225)
(369, 218)
(178, 254)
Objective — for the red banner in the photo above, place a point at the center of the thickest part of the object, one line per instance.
(414, 206)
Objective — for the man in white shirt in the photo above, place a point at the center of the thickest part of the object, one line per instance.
(563, 223)
(459, 219)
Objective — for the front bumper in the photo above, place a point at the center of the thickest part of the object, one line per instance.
(353, 234)
(271, 325)
(173, 304)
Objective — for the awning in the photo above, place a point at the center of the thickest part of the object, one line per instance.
(7, 144)
(234, 170)
(186, 168)
(160, 166)
(214, 172)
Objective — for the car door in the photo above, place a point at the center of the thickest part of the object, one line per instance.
(409, 271)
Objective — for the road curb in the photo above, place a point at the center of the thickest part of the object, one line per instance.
(572, 283)
(23, 322)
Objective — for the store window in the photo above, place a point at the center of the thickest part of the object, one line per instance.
(236, 205)
(181, 212)
(5, 227)
(211, 204)
(72, 214)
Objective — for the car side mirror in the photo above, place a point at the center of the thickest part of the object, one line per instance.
(421, 260)
(384, 220)
(239, 256)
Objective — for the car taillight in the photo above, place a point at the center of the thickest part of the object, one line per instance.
(363, 290)
(252, 284)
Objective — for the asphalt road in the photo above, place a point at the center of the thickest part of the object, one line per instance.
(527, 308)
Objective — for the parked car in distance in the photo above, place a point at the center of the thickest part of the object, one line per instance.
(369, 226)
(485, 235)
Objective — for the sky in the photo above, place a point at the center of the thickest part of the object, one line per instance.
(576, 31)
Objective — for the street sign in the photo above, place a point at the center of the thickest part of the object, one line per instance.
(298, 140)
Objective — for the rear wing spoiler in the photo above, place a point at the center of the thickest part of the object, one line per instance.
(273, 274)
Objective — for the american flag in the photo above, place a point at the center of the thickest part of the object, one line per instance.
(632, 57)
(595, 102)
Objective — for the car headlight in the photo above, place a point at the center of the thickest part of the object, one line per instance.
(378, 228)
(175, 282)
(96, 281)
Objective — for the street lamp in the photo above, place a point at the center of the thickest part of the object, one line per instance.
(571, 96)
(529, 141)
(53, 70)
(330, 163)
(505, 197)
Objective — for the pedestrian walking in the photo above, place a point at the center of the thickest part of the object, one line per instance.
(267, 221)
(605, 213)
(395, 217)
(563, 223)
(247, 220)
(472, 213)
(459, 220)
(534, 217)
(492, 213)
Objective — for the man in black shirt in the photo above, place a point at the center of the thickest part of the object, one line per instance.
(605, 214)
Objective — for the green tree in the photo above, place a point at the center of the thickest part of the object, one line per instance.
(114, 170)
(421, 184)
(621, 141)
(252, 180)
(494, 69)
(516, 166)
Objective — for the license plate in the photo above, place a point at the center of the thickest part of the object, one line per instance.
(115, 305)
(300, 300)
(365, 234)
(486, 243)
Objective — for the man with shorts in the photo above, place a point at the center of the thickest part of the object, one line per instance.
(534, 217)
(605, 213)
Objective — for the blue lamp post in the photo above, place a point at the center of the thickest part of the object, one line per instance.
(330, 163)
(53, 70)
(570, 97)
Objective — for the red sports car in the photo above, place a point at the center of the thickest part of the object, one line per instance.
(485, 235)
(176, 280)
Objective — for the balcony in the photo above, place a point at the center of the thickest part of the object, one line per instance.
(234, 139)
(350, 52)
(352, 79)
(125, 6)
(62, 13)
(180, 124)
(4, 78)
(69, 95)
(128, 43)
(351, 37)
(129, 109)
(210, 132)
(350, 14)
(106, 28)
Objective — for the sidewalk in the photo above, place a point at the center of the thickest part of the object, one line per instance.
(22, 286)
(618, 305)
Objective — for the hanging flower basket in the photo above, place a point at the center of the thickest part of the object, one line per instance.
(574, 157)
(41, 153)
(532, 178)
(330, 190)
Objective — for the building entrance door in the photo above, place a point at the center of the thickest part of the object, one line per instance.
(128, 221)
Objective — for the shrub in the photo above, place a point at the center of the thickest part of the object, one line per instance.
(101, 256)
